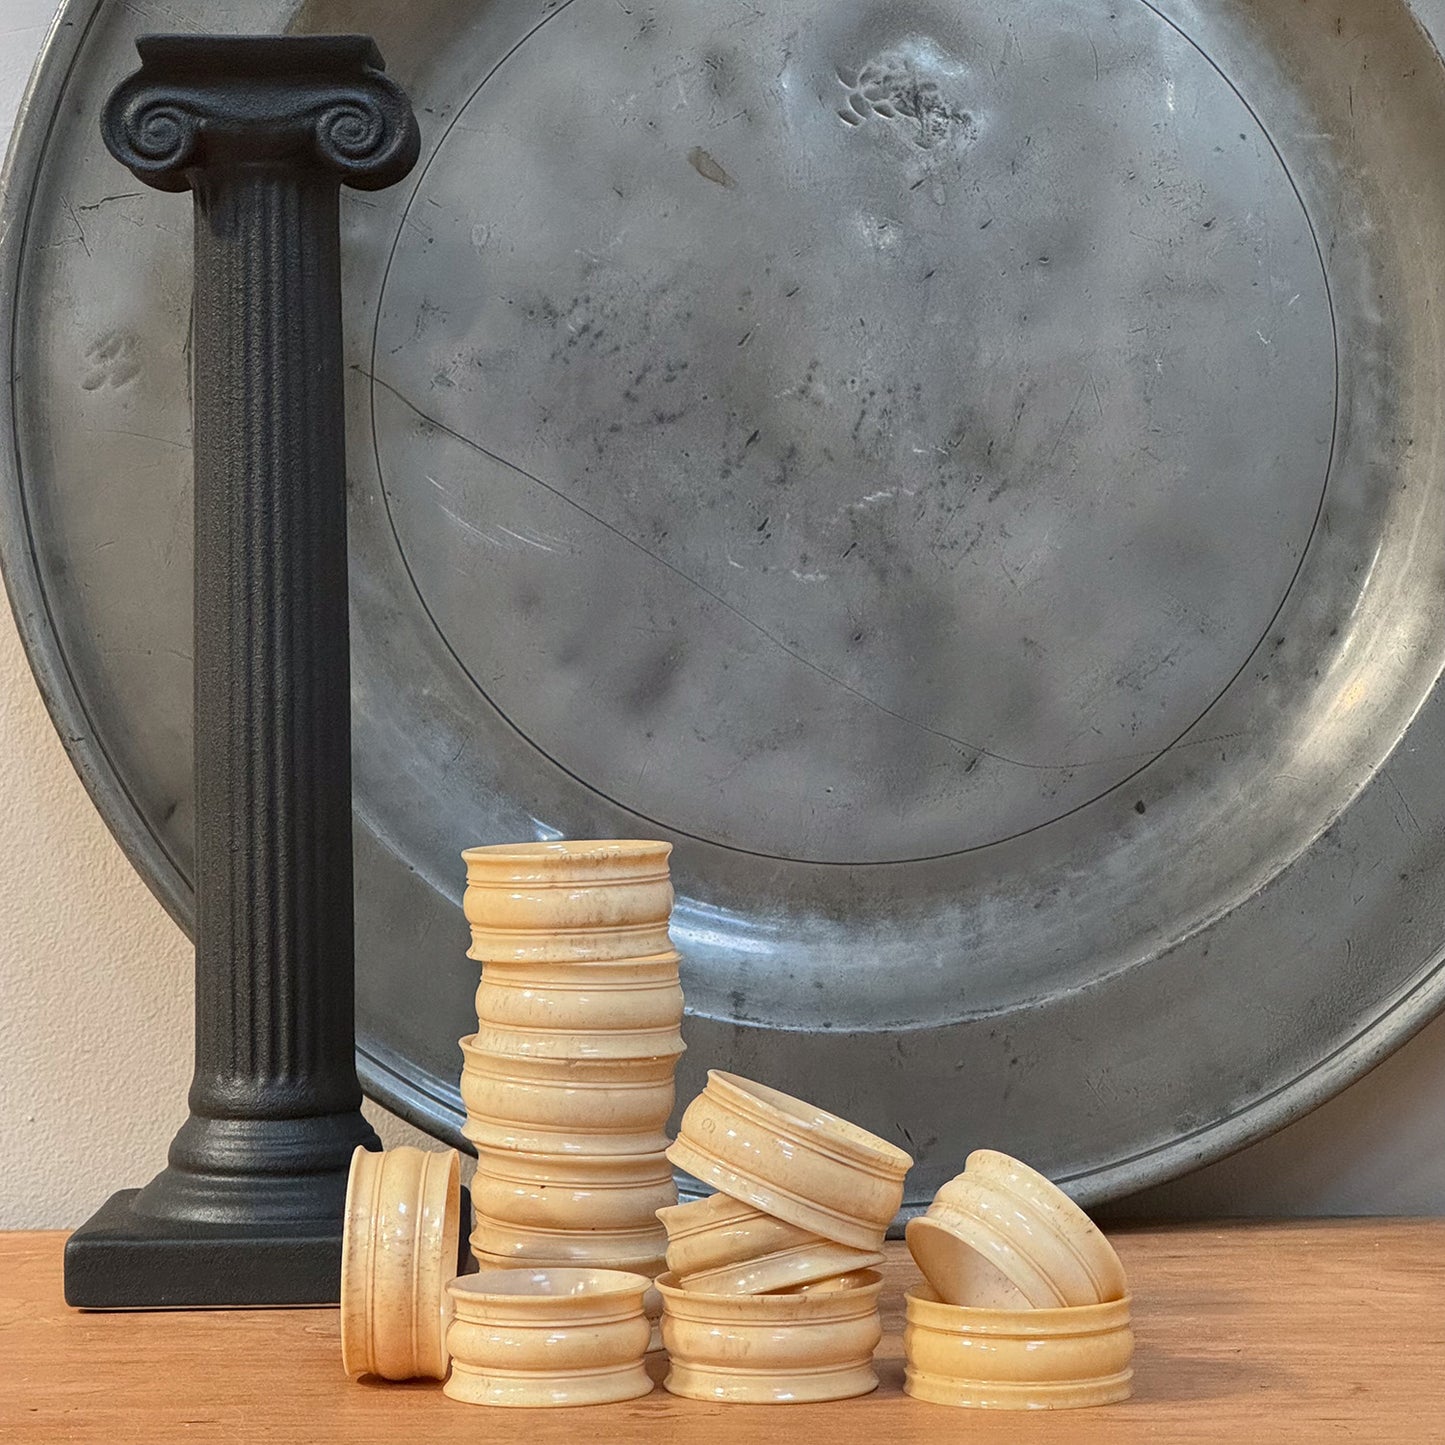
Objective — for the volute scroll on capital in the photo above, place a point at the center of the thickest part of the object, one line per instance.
(202, 103)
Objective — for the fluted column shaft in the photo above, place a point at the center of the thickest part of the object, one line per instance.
(275, 1077)
(274, 989)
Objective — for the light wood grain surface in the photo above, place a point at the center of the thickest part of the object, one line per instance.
(1269, 1333)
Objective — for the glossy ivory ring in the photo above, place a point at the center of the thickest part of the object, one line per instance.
(712, 1233)
(637, 1250)
(771, 1348)
(802, 1266)
(548, 1336)
(560, 1106)
(1027, 1359)
(398, 1250)
(632, 993)
(967, 1215)
(792, 1160)
(1083, 1238)
(606, 898)
(582, 1192)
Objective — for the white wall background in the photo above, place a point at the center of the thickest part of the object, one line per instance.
(95, 1002)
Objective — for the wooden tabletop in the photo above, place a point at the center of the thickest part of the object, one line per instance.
(1275, 1333)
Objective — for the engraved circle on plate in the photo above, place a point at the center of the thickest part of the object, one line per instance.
(834, 455)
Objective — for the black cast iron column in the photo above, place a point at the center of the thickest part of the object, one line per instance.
(263, 132)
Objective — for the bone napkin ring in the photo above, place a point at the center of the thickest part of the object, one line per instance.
(398, 1250)
(1001, 1234)
(792, 1160)
(548, 1336)
(1024, 1359)
(762, 1349)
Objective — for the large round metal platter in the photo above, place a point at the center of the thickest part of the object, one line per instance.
(968, 473)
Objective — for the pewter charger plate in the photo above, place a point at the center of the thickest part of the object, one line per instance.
(968, 473)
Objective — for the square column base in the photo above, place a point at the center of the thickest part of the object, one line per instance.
(120, 1260)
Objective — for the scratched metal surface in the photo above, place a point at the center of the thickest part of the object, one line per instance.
(967, 473)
